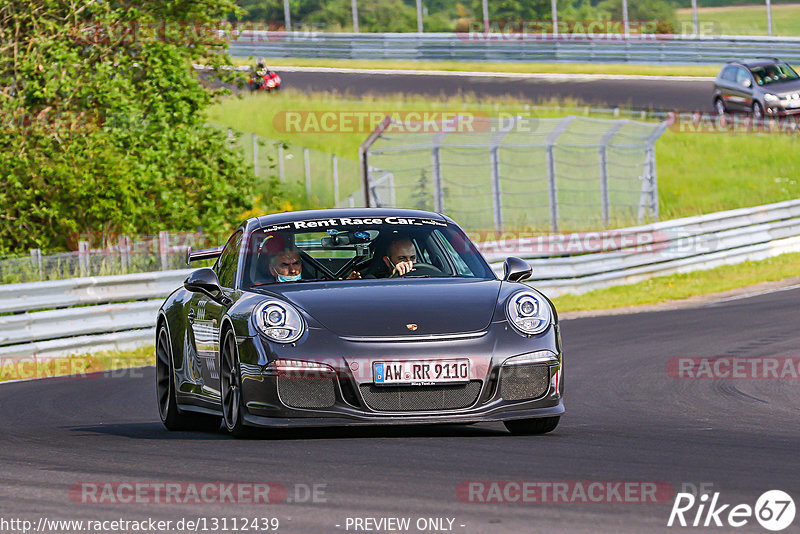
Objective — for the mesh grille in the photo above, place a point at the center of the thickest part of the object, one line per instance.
(420, 398)
(307, 392)
(520, 382)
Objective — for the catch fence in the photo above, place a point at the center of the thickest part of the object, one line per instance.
(518, 173)
(326, 179)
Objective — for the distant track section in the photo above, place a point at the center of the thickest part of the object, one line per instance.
(656, 93)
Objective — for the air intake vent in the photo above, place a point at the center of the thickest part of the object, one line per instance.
(307, 392)
(520, 382)
(420, 398)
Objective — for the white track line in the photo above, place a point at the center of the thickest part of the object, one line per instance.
(758, 293)
(31, 379)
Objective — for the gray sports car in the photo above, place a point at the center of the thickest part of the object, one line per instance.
(356, 317)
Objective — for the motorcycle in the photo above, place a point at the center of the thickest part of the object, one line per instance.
(268, 81)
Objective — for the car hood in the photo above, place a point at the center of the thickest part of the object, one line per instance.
(782, 88)
(387, 308)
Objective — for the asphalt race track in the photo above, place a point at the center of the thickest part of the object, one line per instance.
(626, 420)
(656, 94)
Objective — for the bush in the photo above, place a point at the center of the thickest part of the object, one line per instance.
(104, 123)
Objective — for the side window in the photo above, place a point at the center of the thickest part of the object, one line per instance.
(228, 260)
(729, 74)
(741, 76)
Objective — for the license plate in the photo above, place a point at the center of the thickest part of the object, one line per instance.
(421, 372)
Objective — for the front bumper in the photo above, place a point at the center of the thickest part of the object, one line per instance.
(342, 397)
(503, 414)
(782, 108)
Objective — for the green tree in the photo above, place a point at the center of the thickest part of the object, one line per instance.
(660, 12)
(104, 130)
(373, 16)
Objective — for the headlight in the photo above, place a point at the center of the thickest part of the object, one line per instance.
(528, 312)
(297, 369)
(279, 321)
(769, 97)
(533, 358)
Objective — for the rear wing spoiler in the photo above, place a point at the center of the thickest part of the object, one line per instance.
(204, 254)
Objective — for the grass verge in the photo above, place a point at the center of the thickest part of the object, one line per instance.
(682, 286)
(76, 365)
(519, 67)
(744, 20)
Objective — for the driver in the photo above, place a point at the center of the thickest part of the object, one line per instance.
(400, 256)
(285, 265)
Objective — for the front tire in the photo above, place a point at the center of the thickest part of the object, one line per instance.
(719, 106)
(528, 427)
(171, 417)
(231, 387)
(758, 111)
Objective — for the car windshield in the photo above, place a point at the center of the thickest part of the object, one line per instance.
(767, 74)
(342, 248)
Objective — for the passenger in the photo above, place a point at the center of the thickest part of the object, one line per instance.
(285, 266)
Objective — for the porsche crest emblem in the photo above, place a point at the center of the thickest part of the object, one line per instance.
(411, 326)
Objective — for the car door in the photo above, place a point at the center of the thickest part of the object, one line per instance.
(205, 316)
(743, 89)
(725, 82)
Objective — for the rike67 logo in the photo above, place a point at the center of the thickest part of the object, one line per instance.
(774, 510)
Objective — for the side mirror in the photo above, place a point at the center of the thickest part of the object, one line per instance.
(205, 281)
(747, 83)
(516, 270)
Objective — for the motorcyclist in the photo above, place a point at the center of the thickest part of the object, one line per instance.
(261, 67)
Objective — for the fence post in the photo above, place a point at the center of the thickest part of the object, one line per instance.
(769, 18)
(163, 249)
(649, 196)
(648, 200)
(560, 128)
(83, 257)
(605, 199)
(551, 188)
(497, 204)
(307, 165)
(230, 138)
(125, 253)
(255, 154)
(354, 9)
(494, 169)
(438, 190)
(280, 162)
(36, 260)
(335, 163)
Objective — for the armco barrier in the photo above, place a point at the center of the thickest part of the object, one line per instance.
(119, 312)
(678, 49)
(564, 264)
(82, 314)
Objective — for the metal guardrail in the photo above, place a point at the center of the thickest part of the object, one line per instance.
(91, 290)
(678, 49)
(119, 312)
(577, 263)
(82, 314)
